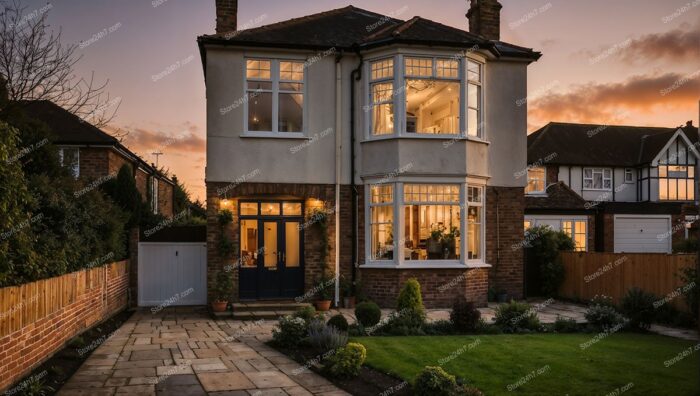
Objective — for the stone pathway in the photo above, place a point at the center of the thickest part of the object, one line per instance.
(181, 351)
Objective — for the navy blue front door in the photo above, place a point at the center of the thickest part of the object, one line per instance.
(271, 251)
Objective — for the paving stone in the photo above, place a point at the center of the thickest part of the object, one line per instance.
(200, 368)
(143, 381)
(156, 354)
(71, 384)
(117, 382)
(267, 392)
(270, 379)
(87, 392)
(173, 370)
(79, 377)
(297, 391)
(135, 372)
(183, 390)
(136, 390)
(232, 393)
(261, 364)
(177, 380)
(213, 382)
(138, 364)
(209, 353)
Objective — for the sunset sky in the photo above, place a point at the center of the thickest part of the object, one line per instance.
(634, 62)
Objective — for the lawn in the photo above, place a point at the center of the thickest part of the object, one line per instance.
(543, 364)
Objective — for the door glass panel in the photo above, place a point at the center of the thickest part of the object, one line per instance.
(291, 208)
(270, 209)
(249, 208)
(270, 244)
(291, 238)
(249, 243)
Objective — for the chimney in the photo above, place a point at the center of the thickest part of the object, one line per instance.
(689, 124)
(485, 18)
(226, 16)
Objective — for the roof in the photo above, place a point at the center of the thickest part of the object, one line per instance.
(67, 128)
(351, 27)
(559, 196)
(599, 145)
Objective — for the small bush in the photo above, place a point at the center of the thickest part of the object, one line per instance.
(691, 290)
(347, 361)
(689, 245)
(565, 325)
(368, 313)
(464, 316)
(308, 313)
(516, 317)
(289, 332)
(324, 337)
(603, 316)
(439, 327)
(545, 245)
(469, 391)
(638, 307)
(339, 322)
(410, 304)
(602, 300)
(483, 327)
(434, 381)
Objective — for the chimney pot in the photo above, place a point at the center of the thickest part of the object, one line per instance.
(226, 16)
(485, 18)
(689, 123)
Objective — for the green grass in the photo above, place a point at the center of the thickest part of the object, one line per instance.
(497, 361)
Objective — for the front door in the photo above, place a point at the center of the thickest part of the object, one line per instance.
(271, 251)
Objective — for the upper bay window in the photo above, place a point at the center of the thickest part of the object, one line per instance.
(597, 179)
(424, 96)
(275, 95)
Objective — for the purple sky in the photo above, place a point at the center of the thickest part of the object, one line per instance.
(605, 61)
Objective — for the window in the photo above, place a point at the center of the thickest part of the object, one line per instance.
(527, 224)
(70, 158)
(432, 89)
(474, 80)
(432, 222)
(475, 215)
(629, 175)
(597, 179)
(382, 97)
(676, 183)
(275, 95)
(577, 231)
(535, 180)
(154, 194)
(381, 221)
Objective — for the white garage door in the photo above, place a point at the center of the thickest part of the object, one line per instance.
(642, 234)
(172, 273)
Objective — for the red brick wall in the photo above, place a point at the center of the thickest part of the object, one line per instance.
(116, 161)
(141, 179)
(94, 162)
(165, 198)
(505, 208)
(552, 174)
(439, 287)
(24, 349)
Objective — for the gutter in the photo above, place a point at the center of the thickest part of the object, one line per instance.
(355, 75)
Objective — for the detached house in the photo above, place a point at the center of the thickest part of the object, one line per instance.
(407, 133)
(92, 154)
(614, 188)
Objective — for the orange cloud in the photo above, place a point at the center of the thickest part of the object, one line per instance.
(608, 103)
(147, 141)
(675, 45)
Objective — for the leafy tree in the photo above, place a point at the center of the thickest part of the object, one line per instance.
(545, 245)
(126, 195)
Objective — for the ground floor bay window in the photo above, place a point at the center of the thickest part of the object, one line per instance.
(422, 223)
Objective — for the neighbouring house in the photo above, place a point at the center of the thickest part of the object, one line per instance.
(407, 133)
(613, 188)
(93, 154)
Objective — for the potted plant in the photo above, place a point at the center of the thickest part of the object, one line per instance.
(324, 294)
(502, 296)
(349, 299)
(449, 243)
(222, 290)
(434, 243)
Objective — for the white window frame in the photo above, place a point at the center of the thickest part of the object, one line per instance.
(480, 109)
(370, 100)
(75, 171)
(482, 226)
(573, 232)
(602, 172)
(400, 98)
(275, 80)
(629, 172)
(370, 205)
(544, 180)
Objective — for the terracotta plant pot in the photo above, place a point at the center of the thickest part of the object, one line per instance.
(323, 305)
(349, 302)
(219, 306)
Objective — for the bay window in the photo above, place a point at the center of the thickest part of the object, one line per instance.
(597, 179)
(382, 97)
(381, 221)
(676, 183)
(432, 96)
(474, 76)
(431, 222)
(274, 96)
(475, 217)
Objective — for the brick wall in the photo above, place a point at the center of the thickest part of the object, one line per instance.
(141, 179)
(505, 208)
(552, 174)
(86, 298)
(116, 161)
(94, 162)
(165, 198)
(439, 287)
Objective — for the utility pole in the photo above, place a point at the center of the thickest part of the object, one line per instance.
(157, 154)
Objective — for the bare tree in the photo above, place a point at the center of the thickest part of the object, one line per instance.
(38, 66)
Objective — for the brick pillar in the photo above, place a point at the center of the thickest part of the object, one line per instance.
(485, 18)
(505, 216)
(226, 16)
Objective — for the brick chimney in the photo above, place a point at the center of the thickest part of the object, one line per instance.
(485, 18)
(226, 16)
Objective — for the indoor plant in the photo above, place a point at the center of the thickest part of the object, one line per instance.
(434, 243)
(449, 243)
(222, 291)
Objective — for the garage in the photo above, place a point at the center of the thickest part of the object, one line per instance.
(642, 234)
(172, 273)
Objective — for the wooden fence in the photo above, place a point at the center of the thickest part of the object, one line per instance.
(613, 274)
(37, 318)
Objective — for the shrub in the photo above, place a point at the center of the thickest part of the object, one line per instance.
(464, 316)
(410, 305)
(324, 337)
(602, 315)
(439, 327)
(689, 245)
(308, 313)
(223, 286)
(339, 322)
(565, 325)
(469, 391)
(434, 381)
(516, 317)
(638, 307)
(602, 300)
(691, 289)
(346, 361)
(368, 313)
(289, 332)
(483, 327)
(545, 245)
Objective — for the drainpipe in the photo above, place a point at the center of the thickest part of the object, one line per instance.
(338, 168)
(355, 75)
